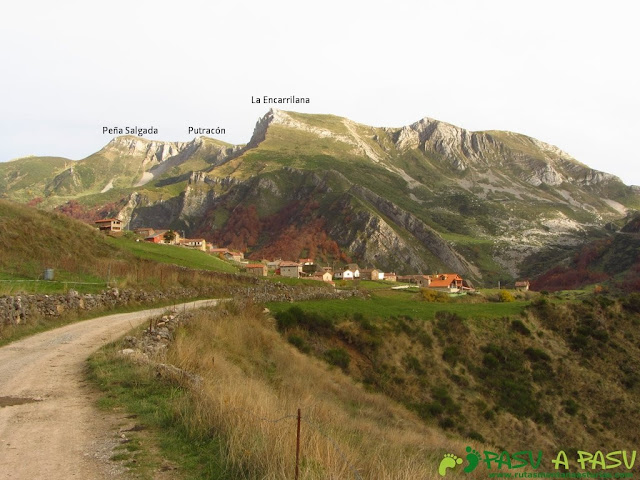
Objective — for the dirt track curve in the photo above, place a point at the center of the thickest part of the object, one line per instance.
(49, 426)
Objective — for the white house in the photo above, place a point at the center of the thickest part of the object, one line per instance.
(350, 272)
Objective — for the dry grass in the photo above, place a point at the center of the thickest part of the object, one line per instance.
(253, 377)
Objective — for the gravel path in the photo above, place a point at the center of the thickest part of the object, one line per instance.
(49, 426)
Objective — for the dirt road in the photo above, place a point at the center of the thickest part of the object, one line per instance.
(49, 427)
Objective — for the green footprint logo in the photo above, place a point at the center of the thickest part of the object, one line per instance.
(449, 461)
(473, 457)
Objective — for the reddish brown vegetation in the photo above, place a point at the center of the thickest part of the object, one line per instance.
(291, 233)
(580, 273)
(566, 278)
(241, 230)
(631, 282)
(310, 240)
(80, 212)
(35, 202)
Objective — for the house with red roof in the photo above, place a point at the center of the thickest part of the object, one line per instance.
(445, 282)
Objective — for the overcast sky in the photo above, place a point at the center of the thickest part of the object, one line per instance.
(565, 72)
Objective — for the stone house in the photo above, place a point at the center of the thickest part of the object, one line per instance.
(258, 269)
(290, 269)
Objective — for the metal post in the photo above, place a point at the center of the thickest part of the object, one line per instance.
(298, 447)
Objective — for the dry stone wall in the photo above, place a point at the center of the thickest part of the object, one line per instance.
(17, 309)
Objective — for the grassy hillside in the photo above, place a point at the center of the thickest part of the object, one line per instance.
(25, 179)
(387, 394)
(240, 422)
(32, 240)
(479, 370)
(172, 254)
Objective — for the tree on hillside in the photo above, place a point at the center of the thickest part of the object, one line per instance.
(169, 236)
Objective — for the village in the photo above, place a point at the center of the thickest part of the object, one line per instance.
(302, 268)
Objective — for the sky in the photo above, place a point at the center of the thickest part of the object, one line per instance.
(563, 71)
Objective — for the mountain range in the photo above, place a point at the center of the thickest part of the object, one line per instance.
(427, 197)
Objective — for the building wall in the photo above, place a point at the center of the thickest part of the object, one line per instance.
(292, 272)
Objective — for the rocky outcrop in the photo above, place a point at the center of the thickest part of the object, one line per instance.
(374, 242)
(457, 145)
(149, 151)
(195, 202)
(65, 182)
(545, 173)
(428, 237)
(125, 214)
(160, 214)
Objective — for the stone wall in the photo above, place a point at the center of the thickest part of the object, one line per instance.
(17, 309)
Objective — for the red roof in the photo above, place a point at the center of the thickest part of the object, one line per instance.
(445, 279)
(256, 265)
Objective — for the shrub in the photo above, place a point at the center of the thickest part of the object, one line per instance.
(413, 364)
(312, 322)
(537, 355)
(338, 357)
(570, 406)
(520, 327)
(505, 375)
(285, 320)
(451, 354)
(447, 423)
(429, 295)
(424, 339)
(451, 324)
(632, 303)
(505, 296)
(298, 342)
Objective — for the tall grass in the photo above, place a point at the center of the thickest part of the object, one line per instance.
(252, 377)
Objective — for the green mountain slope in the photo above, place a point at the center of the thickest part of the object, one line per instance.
(420, 198)
(25, 178)
(32, 240)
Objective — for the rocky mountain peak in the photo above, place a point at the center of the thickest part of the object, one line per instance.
(152, 151)
(459, 146)
(260, 130)
(280, 117)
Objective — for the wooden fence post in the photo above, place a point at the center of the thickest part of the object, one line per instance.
(298, 447)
